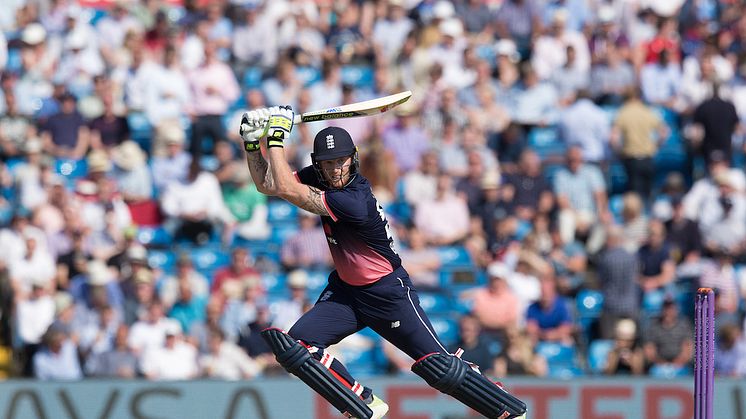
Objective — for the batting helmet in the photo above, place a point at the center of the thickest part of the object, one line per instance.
(332, 143)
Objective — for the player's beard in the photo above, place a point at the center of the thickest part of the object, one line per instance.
(338, 181)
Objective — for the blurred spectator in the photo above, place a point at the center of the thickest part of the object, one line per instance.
(251, 42)
(226, 361)
(136, 78)
(58, 359)
(718, 120)
(35, 267)
(532, 194)
(110, 128)
(98, 279)
(519, 20)
(255, 346)
(701, 202)
(682, 234)
(637, 133)
(429, 215)
(536, 101)
(390, 32)
(518, 357)
(15, 129)
(634, 222)
(34, 314)
(214, 89)
(185, 276)
(668, 339)
(585, 125)
(188, 308)
(617, 273)
(608, 38)
(73, 263)
(170, 162)
(469, 187)
(495, 306)
(287, 311)
(420, 184)
(195, 208)
(570, 79)
(626, 357)
(612, 78)
(131, 172)
(136, 305)
(240, 266)
(719, 274)
(243, 298)
(117, 362)
(421, 261)
(175, 359)
(569, 262)
(551, 49)
(112, 28)
(169, 94)
(549, 319)
(730, 352)
(406, 139)
(199, 334)
(306, 248)
(475, 346)
(247, 205)
(657, 268)
(65, 134)
(581, 195)
(660, 80)
(149, 332)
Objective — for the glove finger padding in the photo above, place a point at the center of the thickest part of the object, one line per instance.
(279, 126)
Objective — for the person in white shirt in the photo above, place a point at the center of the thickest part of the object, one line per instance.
(226, 360)
(430, 216)
(112, 29)
(175, 359)
(36, 267)
(550, 52)
(169, 93)
(286, 312)
(35, 313)
(196, 208)
(150, 333)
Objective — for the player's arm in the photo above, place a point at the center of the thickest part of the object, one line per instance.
(253, 128)
(286, 186)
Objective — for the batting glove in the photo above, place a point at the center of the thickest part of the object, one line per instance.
(253, 127)
(280, 125)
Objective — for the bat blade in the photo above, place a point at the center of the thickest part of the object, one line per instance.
(369, 107)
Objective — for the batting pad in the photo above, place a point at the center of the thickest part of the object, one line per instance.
(453, 376)
(296, 359)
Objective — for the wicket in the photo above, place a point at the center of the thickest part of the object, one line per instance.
(704, 353)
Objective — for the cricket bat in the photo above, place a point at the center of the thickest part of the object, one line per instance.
(369, 107)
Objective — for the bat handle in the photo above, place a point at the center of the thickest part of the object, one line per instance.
(297, 119)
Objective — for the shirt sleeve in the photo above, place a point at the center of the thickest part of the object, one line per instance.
(346, 205)
(307, 176)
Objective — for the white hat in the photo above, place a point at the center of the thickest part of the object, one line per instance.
(137, 253)
(663, 8)
(443, 9)
(76, 40)
(98, 161)
(62, 300)
(171, 133)
(86, 187)
(128, 155)
(625, 329)
(451, 27)
(33, 34)
(508, 48)
(298, 279)
(498, 270)
(32, 145)
(490, 180)
(98, 273)
(606, 14)
(172, 329)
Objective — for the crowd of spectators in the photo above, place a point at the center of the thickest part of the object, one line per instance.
(584, 154)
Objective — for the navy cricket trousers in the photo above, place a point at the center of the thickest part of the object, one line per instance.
(389, 306)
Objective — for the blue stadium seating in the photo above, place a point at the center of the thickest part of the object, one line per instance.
(615, 206)
(556, 354)
(275, 283)
(598, 352)
(360, 363)
(281, 232)
(564, 372)
(589, 304)
(206, 259)
(154, 236)
(162, 259)
(454, 256)
(652, 301)
(446, 327)
(308, 75)
(435, 302)
(317, 281)
(71, 169)
(252, 78)
(281, 212)
(668, 371)
(141, 131)
(357, 75)
(13, 63)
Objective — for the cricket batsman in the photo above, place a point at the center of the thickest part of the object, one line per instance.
(368, 288)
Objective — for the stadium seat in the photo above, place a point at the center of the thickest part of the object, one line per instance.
(453, 256)
(668, 371)
(71, 169)
(556, 354)
(446, 328)
(433, 302)
(652, 301)
(617, 178)
(360, 363)
(308, 75)
(275, 283)
(281, 212)
(543, 137)
(154, 236)
(252, 78)
(563, 372)
(162, 259)
(357, 75)
(598, 352)
(589, 304)
(615, 206)
(281, 232)
(207, 259)
(317, 281)
(141, 131)
(14, 63)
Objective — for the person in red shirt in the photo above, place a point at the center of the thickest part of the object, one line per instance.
(239, 267)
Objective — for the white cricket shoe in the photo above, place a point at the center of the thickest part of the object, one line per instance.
(379, 408)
